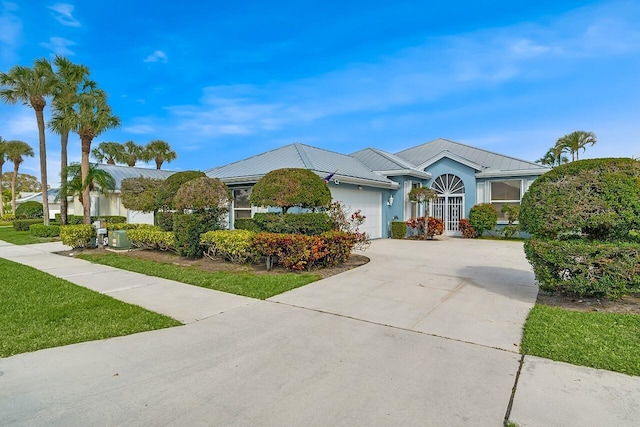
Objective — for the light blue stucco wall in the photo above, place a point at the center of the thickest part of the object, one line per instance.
(465, 173)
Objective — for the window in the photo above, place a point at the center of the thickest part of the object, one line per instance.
(241, 204)
(414, 206)
(505, 193)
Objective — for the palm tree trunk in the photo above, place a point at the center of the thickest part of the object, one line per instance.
(43, 163)
(159, 161)
(1, 199)
(13, 187)
(64, 203)
(84, 168)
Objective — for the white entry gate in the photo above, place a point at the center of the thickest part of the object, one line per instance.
(449, 204)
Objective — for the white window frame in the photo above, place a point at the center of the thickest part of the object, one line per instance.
(489, 190)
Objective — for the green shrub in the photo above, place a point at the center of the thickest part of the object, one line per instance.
(245, 224)
(188, 228)
(24, 224)
(203, 193)
(586, 268)
(466, 229)
(41, 230)
(289, 187)
(483, 217)
(126, 226)
(293, 251)
(169, 187)
(150, 237)
(164, 220)
(112, 218)
(232, 245)
(74, 219)
(30, 210)
(77, 236)
(398, 229)
(311, 223)
(336, 247)
(7, 217)
(511, 212)
(598, 198)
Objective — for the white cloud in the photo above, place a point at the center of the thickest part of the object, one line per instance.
(140, 129)
(59, 46)
(63, 13)
(157, 56)
(10, 33)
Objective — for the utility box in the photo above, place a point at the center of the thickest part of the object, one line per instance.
(118, 240)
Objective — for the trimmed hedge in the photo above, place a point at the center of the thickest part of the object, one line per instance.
(483, 217)
(112, 218)
(41, 230)
(232, 245)
(126, 226)
(599, 198)
(245, 224)
(77, 236)
(8, 217)
(466, 229)
(24, 224)
(586, 268)
(188, 228)
(164, 220)
(310, 224)
(30, 210)
(150, 237)
(398, 230)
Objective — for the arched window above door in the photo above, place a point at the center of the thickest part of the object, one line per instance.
(448, 184)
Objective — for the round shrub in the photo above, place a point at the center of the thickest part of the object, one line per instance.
(30, 210)
(289, 187)
(202, 194)
(483, 217)
(398, 230)
(169, 187)
(599, 198)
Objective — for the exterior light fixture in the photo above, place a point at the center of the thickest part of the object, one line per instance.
(390, 202)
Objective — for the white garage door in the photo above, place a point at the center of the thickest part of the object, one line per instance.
(369, 202)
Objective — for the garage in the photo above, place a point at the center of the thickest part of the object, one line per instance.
(369, 202)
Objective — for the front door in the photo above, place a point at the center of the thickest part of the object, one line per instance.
(449, 204)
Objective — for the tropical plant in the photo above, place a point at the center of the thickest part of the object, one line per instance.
(97, 180)
(132, 152)
(483, 217)
(111, 152)
(170, 186)
(554, 157)
(31, 86)
(576, 141)
(69, 77)
(24, 182)
(3, 159)
(289, 187)
(89, 116)
(203, 193)
(140, 194)
(160, 151)
(16, 151)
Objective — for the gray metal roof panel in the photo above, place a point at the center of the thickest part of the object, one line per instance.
(122, 172)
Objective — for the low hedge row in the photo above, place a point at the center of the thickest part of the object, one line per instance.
(125, 226)
(151, 237)
(24, 224)
(78, 236)
(41, 230)
(585, 268)
(398, 230)
(292, 251)
(310, 224)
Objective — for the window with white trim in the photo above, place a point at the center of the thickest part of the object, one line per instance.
(508, 192)
(241, 204)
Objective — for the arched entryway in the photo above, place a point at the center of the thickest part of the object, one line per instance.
(449, 204)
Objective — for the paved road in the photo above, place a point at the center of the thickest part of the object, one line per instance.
(426, 334)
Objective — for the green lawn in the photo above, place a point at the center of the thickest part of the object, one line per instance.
(599, 340)
(8, 234)
(41, 311)
(261, 286)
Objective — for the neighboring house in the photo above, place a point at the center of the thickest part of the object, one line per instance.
(110, 204)
(378, 183)
(52, 196)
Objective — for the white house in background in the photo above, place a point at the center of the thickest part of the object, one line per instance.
(52, 197)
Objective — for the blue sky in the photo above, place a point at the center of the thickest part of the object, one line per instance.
(221, 81)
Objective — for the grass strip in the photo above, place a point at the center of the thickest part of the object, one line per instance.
(42, 311)
(260, 286)
(9, 234)
(598, 340)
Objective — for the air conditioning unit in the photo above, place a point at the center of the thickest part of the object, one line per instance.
(118, 240)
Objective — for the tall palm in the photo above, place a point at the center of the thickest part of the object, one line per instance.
(16, 151)
(161, 152)
(3, 159)
(576, 141)
(112, 152)
(90, 116)
(132, 153)
(97, 180)
(554, 157)
(69, 77)
(32, 86)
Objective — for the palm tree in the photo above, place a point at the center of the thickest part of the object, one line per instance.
(160, 151)
(89, 117)
(553, 157)
(575, 141)
(97, 180)
(69, 77)
(133, 152)
(16, 150)
(32, 86)
(3, 159)
(112, 152)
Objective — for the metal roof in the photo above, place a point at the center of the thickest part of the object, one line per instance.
(388, 164)
(424, 155)
(122, 172)
(52, 193)
(322, 162)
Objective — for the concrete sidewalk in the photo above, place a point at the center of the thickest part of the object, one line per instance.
(433, 346)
